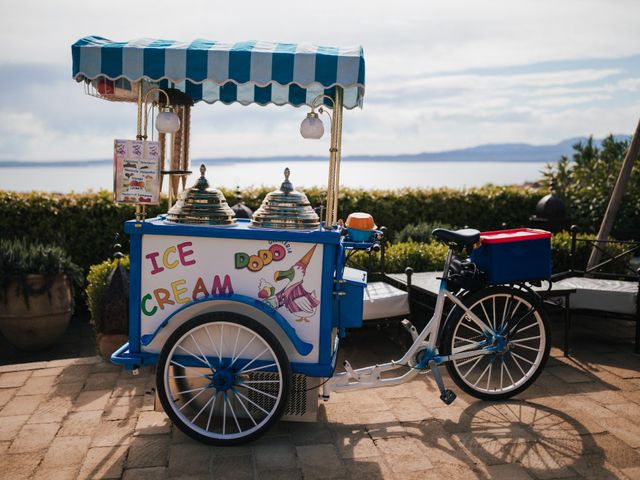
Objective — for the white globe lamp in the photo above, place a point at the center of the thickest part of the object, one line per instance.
(167, 122)
(312, 127)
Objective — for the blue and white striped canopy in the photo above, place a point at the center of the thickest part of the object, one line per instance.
(245, 72)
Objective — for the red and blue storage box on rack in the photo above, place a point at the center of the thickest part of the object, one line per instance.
(509, 256)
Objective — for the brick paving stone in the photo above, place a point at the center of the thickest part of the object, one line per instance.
(69, 472)
(130, 387)
(367, 401)
(628, 409)
(595, 467)
(34, 437)
(92, 400)
(237, 467)
(21, 405)
(408, 462)
(10, 426)
(570, 374)
(615, 450)
(104, 463)
(177, 436)
(408, 409)
(14, 379)
(69, 390)
(153, 423)
(74, 374)
(624, 429)
(278, 453)
(320, 461)
(149, 473)
(608, 397)
(4, 446)
(36, 385)
(623, 366)
(104, 366)
(632, 473)
(20, 465)
(373, 468)
(110, 433)
(47, 372)
(508, 472)
(53, 410)
(303, 433)
(65, 451)
(237, 451)
(6, 394)
(281, 474)
(385, 430)
(119, 412)
(354, 444)
(80, 423)
(189, 459)
(101, 381)
(148, 451)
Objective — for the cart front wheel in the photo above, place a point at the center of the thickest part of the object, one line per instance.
(223, 378)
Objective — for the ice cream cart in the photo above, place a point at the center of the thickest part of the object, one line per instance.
(243, 318)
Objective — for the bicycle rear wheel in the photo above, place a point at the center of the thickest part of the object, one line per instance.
(516, 331)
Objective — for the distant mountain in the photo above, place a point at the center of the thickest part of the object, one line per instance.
(501, 152)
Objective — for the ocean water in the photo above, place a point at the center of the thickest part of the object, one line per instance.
(303, 173)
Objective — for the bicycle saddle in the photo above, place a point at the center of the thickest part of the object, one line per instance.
(466, 236)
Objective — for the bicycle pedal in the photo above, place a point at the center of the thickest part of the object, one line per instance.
(448, 396)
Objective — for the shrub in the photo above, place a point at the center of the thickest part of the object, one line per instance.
(19, 258)
(89, 222)
(97, 288)
(586, 181)
(420, 232)
(422, 257)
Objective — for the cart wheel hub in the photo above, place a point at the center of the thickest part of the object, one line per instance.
(500, 343)
(222, 380)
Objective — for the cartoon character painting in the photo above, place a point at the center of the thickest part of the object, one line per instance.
(267, 293)
(294, 297)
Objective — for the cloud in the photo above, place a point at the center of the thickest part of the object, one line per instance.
(440, 75)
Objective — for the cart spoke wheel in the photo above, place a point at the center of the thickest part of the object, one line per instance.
(223, 378)
(518, 339)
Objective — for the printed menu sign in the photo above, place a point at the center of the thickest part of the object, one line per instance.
(136, 172)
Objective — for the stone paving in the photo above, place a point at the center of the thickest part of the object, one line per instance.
(84, 418)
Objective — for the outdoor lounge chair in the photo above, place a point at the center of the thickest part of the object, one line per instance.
(604, 289)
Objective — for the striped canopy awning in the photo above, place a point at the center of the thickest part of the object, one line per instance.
(210, 71)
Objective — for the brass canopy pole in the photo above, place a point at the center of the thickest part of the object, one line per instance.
(330, 182)
(337, 144)
(140, 213)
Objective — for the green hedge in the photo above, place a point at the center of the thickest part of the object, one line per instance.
(97, 287)
(87, 224)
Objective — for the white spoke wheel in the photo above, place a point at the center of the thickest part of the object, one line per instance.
(512, 327)
(223, 378)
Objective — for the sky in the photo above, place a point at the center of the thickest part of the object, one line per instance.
(440, 75)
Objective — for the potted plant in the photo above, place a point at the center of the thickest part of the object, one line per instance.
(107, 299)
(37, 283)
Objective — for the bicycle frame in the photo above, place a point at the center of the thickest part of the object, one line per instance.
(370, 377)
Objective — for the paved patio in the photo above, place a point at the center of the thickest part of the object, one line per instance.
(83, 418)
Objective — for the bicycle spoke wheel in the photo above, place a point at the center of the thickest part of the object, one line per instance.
(516, 336)
(223, 378)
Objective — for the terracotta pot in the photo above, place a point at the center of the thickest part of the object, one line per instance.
(39, 323)
(109, 343)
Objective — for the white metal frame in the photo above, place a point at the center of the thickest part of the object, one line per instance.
(371, 377)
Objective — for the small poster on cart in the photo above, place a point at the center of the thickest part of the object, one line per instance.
(136, 172)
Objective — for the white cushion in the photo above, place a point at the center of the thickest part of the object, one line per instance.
(615, 296)
(382, 300)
